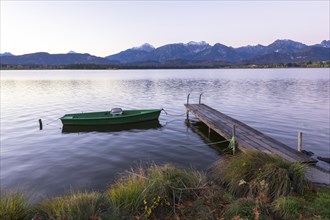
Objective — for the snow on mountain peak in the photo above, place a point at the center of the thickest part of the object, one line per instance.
(196, 47)
(71, 51)
(201, 43)
(145, 47)
(6, 54)
(325, 43)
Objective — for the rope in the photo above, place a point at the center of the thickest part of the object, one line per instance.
(52, 121)
(177, 115)
(172, 114)
(200, 145)
(54, 126)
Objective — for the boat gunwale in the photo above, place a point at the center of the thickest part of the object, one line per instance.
(110, 116)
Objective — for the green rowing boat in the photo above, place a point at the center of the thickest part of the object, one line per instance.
(114, 117)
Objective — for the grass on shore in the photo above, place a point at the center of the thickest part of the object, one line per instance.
(13, 205)
(253, 186)
(78, 205)
(144, 192)
(256, 173)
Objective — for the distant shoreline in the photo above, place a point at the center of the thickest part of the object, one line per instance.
(322, 64)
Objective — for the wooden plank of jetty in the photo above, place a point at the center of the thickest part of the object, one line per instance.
(247, 138)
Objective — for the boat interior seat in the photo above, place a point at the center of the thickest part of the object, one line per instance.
(116, 111)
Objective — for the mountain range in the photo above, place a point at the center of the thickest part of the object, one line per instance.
(199, 53)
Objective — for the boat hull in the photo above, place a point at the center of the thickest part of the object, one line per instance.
(106, 118)
(139, 126)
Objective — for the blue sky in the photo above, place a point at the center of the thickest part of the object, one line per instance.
(106, 27)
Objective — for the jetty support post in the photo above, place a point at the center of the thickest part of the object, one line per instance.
(234, 131)
(188, 104)
(200, 98)
(40, 124)
(234, 135)
(188, 98)
(299, 141)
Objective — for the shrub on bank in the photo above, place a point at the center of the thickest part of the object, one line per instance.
(257, 173)
(156, 189)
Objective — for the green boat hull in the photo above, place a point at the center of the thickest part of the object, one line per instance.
(106, 118)
(144, 125)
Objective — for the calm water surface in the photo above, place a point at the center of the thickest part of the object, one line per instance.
(278, 102)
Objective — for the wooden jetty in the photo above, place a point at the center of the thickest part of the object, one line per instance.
(247, 138)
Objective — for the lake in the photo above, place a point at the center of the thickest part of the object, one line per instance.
(53, 161)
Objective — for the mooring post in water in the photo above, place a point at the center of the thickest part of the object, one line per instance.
(299, 141)
(200, 98)
(40, 124)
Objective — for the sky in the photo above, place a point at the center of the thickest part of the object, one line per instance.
(103, 28)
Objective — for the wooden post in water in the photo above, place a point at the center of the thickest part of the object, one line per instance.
(40, 124)
(209, 132)
(234, 131)
(187, 104)
(234, 135)
(299, 141)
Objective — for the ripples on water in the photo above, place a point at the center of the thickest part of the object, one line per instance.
(278, 102)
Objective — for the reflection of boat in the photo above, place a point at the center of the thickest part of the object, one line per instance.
(114, 117)
(153, 124)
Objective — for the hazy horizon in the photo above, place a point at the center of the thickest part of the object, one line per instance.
(103, 28)
(83, 52)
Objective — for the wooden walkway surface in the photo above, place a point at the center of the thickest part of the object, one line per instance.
(247, 138)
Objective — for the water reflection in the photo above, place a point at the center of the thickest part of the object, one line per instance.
(210, 138)
(277, 102)
(154, 124)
